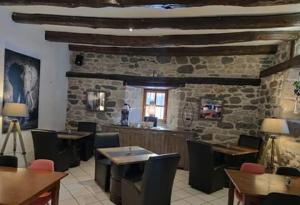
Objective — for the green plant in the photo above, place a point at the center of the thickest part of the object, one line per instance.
(297, 85)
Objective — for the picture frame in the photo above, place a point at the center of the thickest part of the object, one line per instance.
(96, 101)
(211, 109)
(22, 85)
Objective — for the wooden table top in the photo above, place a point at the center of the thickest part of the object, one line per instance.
(262, 184)
(123, 155)
(73, 135)
(233, 150)
(21, 186)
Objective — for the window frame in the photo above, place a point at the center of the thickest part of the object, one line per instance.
(166, 92)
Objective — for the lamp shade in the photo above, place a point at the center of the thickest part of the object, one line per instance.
(15, 110)
(275, 126)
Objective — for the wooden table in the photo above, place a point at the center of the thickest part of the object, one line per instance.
(73, 137)
(121, 157)
(233, 150)
(22, 186)
(259, 185)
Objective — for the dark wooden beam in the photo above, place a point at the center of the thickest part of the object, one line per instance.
(170, 40)
(188, 23)
(167, 4)
(281, 67)
(180, 51)
(165, 81)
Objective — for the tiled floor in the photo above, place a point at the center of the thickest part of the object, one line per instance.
(79, 188)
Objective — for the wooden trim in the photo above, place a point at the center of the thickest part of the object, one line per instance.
(220, 22)
(292, 51)
(180, 51)
(168, 40)
(295, 61)
(167, 4)
(166, 81)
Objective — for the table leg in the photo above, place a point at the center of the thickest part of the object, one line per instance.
(55, 194)
(115, 184)
(231, 193)
(75, 158)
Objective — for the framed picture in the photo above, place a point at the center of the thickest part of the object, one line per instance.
(96, 101)
(21, 85)
(211, 109)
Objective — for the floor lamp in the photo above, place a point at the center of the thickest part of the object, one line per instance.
(15, 110)
(274, 127)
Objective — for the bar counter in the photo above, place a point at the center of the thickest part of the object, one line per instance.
(157, 140)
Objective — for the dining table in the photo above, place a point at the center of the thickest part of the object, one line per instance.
(260, 185)
(74, 138)
(121, 158)
(22, 186)
(233, 150)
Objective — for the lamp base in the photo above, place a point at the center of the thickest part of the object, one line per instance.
(15, 128)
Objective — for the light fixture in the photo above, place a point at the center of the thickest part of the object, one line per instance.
(274, 127)
(15, 110)
(131, 29)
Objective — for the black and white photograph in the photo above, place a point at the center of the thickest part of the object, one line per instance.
(96, 101)
(21, 85)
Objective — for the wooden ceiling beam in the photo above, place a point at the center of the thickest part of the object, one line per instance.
(166, 81)
(167, 4)
(184, 23)
(180, 51)
(168, 40)
(293, 62)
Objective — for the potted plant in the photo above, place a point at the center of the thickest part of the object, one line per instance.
(297, 88)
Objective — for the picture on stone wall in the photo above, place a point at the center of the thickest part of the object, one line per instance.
(21, 85)
(211, 109)
(96, 101)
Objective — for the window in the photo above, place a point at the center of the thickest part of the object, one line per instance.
(155, 103)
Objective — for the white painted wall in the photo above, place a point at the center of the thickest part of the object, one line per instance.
(29, 40)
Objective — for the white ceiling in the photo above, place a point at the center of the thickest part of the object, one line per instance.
(142, 12)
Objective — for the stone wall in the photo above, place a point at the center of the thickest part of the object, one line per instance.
(77, 110)
(224, 66)
(240, 116)
(278, 100)
(240, 102)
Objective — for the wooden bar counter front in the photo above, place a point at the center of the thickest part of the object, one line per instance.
(159, 141)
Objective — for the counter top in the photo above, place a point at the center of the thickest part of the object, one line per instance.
(159, 129)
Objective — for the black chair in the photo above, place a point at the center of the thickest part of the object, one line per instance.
(155, 187)
(48, 146)
(206, 169)
(249, 142)
(102, 164)
(87, 144)
(8, 161)
(281, 199)
(288, 171)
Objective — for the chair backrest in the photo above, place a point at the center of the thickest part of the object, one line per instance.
(281, 199)
(105, 140)
(158, 179)
(42, 164)
(109, 139)
(201, 157)
(250, 141)
(45, 144)
(8, 161)
(288, 171)
(253, 168)
(87, 127)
